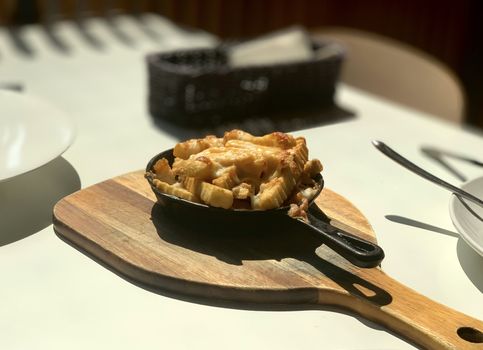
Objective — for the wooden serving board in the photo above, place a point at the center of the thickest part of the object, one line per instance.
(118, 223)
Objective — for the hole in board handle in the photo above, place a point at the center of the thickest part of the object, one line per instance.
(470, 334)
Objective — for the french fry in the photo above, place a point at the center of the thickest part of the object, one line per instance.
(163, 171)
(271, 195)
(192, 184)
(185, 149)
(312, 168)
(275, 139)
(216, 196)
(264, 159)
(228, 179)
(242, 191)
(249, 163)
(296, 158)
(201, 167)
(174, 190)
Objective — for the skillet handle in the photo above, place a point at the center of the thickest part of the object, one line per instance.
(358, 251)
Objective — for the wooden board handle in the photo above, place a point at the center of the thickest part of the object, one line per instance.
(427, 323)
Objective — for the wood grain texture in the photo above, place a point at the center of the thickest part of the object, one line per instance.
(118, 223)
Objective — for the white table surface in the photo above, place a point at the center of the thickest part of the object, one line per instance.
(54, 297)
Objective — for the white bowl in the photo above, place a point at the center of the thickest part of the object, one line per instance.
(469, 225)
(32, 133)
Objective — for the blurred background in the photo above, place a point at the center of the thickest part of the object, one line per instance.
(448, 35)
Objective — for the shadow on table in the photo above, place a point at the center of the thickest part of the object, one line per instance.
(112, 23)
(151, 26)
(410, 222)
(86, 34)
(56, 41)
(470, 261)
(147, 28)
(17, 37)
(439, 156)
(25, 48)
(263, 124)
(26, 201)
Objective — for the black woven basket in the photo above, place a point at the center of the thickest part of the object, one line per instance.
(197, 88)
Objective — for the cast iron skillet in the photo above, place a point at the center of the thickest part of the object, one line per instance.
(358, 251)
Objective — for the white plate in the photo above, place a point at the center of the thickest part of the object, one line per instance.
(467, 224)
(32, 133)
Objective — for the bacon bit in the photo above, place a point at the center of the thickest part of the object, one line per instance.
(283, 140)
(299, 211)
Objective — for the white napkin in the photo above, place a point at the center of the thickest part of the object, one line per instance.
(289, 45)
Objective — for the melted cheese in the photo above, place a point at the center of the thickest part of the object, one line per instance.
(265, 170)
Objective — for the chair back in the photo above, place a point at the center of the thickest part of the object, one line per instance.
(399, 72)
